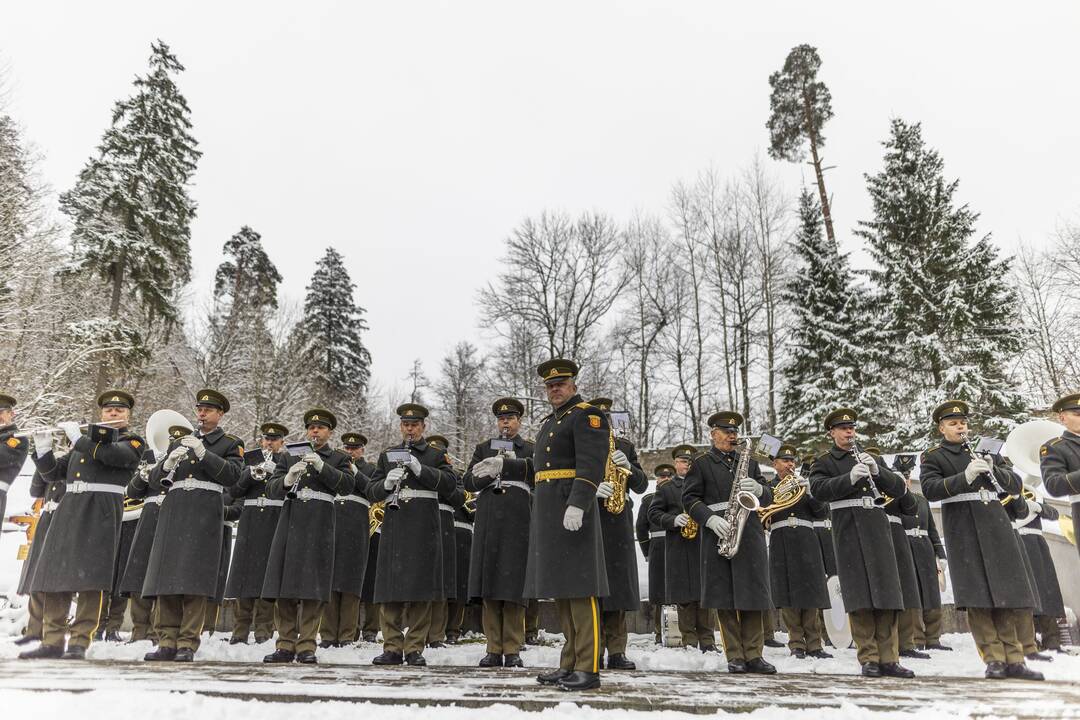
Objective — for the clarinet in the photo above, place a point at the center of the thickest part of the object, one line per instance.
(879, 499)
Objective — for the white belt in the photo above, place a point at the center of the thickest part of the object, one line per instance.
(791, 522)
(916, 532)
(463, 525)
(827, 524)
(79, 486)
(4, 486)
(1074, 498)
(153, 500)
(195, 485)
(1029, 531)
(263, 502)
(446, 508)
(895, 520)
(49, 506)
(660, 533)
(308, 494)
(354, 498)
(983, 496)
(719, 507)
(866, 503)
(512, 483)
(410, 494)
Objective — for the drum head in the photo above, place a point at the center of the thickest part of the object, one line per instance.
(836, 619)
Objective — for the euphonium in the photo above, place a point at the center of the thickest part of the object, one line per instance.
(740, 505)
(618, 477)
(375, 516)
(786, 493)
(689, 530)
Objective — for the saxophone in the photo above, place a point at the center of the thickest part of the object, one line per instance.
(618, 477)
(740, 505)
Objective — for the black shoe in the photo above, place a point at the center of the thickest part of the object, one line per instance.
(387, 658)
(370, 637)
(415, 659)
(43, 652)
(74, 652)
(113, 636)
(26, 640)
(760, 666)
(327, 644)
(260, 640)
(532, 639)
(913, 653)
(307, 658)
(553, 677)
(280, 656)
(995, 671)
(1020, 671)
(491, 660)
(436, 644)
(162, 654)
(452, 639)
(184, 655)
(619, 661)
(871, 669)
(513, 660)
(579, 680)
(819, 654)
(896, 670)
(1039, 657)
(938, 646)
(799, 653)
(773, 643)
(709, 649)
(238, 641)
(737, 667)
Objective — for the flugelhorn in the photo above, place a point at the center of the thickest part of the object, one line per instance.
(56, 428)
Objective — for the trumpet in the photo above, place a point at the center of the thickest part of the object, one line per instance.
(57, 429)
(257, 472)
(879, 500)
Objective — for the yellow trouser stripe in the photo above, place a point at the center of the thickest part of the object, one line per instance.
(100, 607)
(595, 636)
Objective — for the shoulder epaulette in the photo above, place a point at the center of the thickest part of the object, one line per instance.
(931, 449)
(234, 438)
(1053, 441)
(587, 406)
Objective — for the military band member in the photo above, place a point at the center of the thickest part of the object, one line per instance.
(449, 500)
(49, 494)
(116, 603)
(865, 559)
(410, 567)
(182, 572)
(13, 450)
(463, 530)
(500, 543)
(254, 535)
(1042, 565)
(79, 555)
(921, 629)
(989, 582)
(231, 510)
(738, 588)
(300, 570)
(566, 550)
(617, 531)
(682, 556)
(1060, 457)
(1018, 512)
(341, 616)
(796, 566)
(650, 537)
(355, 445)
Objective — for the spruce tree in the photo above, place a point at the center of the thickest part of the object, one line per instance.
(943, 301)
(825, 358)
(130, 206)
(328, 339)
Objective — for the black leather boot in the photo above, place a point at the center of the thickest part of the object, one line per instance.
(415, 659)
(995, 671)
(760, 666)
(896, 670)
(513, 660)
(552, 677)
(280, 656)
(75, 652)
(491, 660)
(579, 680)
(184, 655)
(43, 652)
(1020, 671)
(162, 654)
(619, 661)
(306, 658)
(387, 658)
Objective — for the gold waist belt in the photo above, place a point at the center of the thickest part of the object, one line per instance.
(566, 474)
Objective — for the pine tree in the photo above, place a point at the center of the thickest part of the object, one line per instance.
(825, 358)
(943, 301)
(801, 105)
(329, 341)
(130, 206)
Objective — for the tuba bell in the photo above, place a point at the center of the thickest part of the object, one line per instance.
(157, 430)
(1024, 442)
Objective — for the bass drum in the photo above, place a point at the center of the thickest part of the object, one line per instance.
(836, 619)
(670, 635)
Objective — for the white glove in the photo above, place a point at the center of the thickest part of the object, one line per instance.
(975, 468)
(268, 466)
(413, 465)
(718, 525)
(682, 520)
(619, 458)
(859, 472)
(752, 486)
(572, 518)
(294, 473)
(605, 490)
(868, 460)
(195, 445)
(488, 467)
(393, 478)
(314, 460)
(43, 443)
(942, 566)
(1034, 506)
(173, 459)
(71, 429)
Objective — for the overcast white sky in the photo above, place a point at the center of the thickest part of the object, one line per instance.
(413, 136)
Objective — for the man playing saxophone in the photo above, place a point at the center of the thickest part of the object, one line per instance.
(737, 586)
